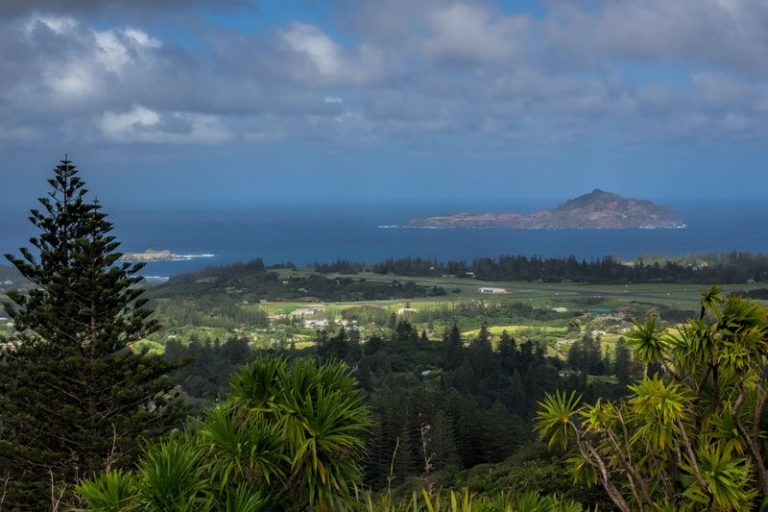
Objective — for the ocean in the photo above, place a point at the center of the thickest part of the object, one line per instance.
(306, 233)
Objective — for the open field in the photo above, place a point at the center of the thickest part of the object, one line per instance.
(568, 299)
(539, 294)
(528, 329)
(603, 311)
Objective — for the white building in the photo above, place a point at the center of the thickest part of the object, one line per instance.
(316, 323)
(305, 312)
(491, 291)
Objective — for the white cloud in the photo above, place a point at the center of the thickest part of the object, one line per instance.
(463, 33)
(61, 63)
(141, 38)
(324, 61)
(56, 24)
(141, 124)
(116, 48)
(74, 80)
(319, 49)
(137, 119)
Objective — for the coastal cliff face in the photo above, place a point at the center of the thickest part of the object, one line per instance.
(596, 210)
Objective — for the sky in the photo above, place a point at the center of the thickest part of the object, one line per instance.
(238, 102)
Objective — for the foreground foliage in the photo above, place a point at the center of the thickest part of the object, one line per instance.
(691, 434)
(289, 436)
(424, 501)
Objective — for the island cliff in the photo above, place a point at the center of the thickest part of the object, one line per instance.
(596, 210)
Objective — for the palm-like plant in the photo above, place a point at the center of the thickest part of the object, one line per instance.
(173, 476)
(241, 450)
(241, 498)
(556, 417)
(727, 477)
(646, 339)
(114, 491)
(320, 414)
(662, 405)
(290, 436)
(690, 438)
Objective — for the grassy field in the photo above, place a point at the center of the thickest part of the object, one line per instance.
(524, 329)
(568, 300)
(540, 294)
(560, 296)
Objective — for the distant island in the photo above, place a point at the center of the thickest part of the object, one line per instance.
(165, 255)
(596, 210)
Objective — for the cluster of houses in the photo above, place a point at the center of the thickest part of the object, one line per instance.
(307, 322)
(315, 323)
(310, 318)
(302, 312)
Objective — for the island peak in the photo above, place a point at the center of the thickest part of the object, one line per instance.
(598, 209)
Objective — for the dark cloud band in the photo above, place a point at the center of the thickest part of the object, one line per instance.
(16, 8)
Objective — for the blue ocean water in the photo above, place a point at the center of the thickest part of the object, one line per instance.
(305, 233)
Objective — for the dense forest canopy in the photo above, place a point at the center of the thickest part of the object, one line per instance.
(732, 267)
(727, 268)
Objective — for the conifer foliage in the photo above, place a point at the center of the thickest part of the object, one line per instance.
(75, 400)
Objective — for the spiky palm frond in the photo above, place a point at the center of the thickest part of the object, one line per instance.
(256, 385)
(582, 470)
(726, 476)
(692, 346)
(647, 339)
(554, 419)
(324, 420)
(300, 422)
(173, 477)
(242, 498)
(249, 450)
(725, 431)
(598, 417)
(114, 491)
(662, 406)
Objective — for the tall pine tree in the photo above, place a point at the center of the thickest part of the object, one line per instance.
(454, 351)
(74, 398)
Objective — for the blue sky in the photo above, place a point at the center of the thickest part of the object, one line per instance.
(186, 102)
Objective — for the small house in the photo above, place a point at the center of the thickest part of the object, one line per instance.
(487, 290)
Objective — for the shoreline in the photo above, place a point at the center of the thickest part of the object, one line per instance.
(150, 256)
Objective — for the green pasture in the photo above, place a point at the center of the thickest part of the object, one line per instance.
(152, 347)
(526, 329)
(540, 294)
(568, 298)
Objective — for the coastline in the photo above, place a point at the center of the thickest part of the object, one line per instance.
(150, 255)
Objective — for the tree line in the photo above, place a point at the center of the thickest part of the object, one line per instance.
(727, 268)
(254, 282)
